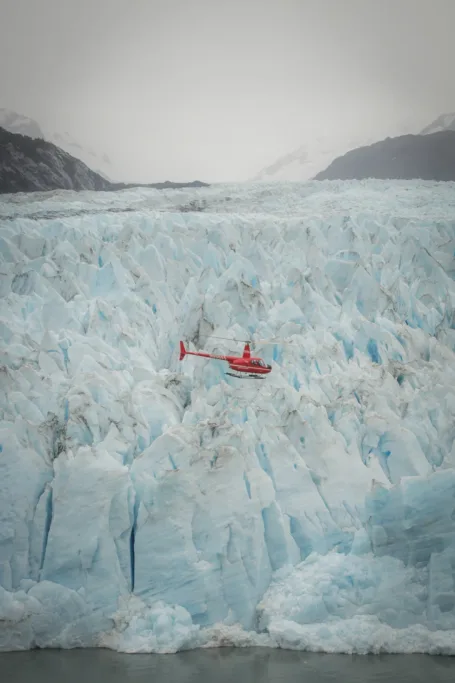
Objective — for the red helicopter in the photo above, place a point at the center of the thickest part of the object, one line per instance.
(248, 365)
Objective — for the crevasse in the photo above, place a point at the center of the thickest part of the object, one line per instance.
(151, 505)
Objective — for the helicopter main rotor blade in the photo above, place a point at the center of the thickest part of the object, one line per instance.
(241, 341)
(253, 342)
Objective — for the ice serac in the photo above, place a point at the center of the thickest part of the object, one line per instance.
(151, 505)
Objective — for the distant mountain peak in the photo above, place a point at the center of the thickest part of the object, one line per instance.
(24, 125)
(406, 157)
(33, 164)
(443, 122)
(318, 153)
(17, 123)
(309, 159)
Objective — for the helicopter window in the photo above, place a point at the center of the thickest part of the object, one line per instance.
(261, 363)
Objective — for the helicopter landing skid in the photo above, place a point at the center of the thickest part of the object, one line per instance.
(231, 374)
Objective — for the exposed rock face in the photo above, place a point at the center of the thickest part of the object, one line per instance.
(408, 157)
(31, 165)
(28, 165)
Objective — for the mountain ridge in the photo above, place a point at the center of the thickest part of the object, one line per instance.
(313, 157)
(406, 157)
(14, 122)
(35, 165)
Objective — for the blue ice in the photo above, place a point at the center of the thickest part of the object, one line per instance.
(153, 505)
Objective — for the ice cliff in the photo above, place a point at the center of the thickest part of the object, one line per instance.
(152, 505)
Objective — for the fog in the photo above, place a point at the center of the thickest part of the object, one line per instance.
(216, 90)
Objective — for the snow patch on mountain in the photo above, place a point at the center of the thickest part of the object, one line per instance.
(308, 160)
(320, 151)
(16, 123)
(443, 122)
(100, 163)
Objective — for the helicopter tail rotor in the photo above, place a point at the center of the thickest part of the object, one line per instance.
(182, 351)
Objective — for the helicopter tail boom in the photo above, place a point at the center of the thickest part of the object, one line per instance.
(184, 352)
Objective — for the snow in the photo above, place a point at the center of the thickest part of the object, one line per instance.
(149, 505)
(321, 148)
(443, 122)
(100, 163)
(16, 123)
(318, 151)
(310, 159)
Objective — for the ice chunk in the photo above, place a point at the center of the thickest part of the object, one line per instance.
(150, 627)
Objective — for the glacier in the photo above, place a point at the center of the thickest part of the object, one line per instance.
(152, 505)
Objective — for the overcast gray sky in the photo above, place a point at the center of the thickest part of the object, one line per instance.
(218, 89)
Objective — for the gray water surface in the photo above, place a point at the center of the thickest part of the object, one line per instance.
(225, 665)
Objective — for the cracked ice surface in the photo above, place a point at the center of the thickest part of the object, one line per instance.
(152, 505)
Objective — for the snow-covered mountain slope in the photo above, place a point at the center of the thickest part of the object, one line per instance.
(443, 122)
(153, 505)
(309, 159)
(318, 153)
(17, 123)
(94, 160)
